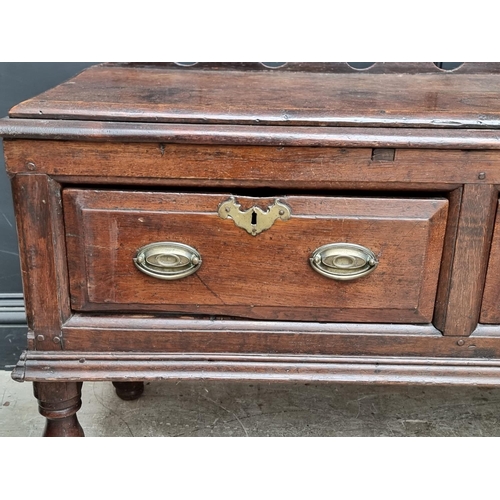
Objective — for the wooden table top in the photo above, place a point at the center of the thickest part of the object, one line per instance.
(299, 95)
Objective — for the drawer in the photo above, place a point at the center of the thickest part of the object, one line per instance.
(270, 275)
(490, 311)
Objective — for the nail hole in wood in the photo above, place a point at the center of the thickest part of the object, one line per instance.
(383, 154)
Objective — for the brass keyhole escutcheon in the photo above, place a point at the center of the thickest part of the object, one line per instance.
(254, 220)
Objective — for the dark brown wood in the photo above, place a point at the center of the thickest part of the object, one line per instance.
(459, 313)
(148, 334)
(323, 67)
(272, 97)
(354, 137)
(448, 257)
(37, 200)
(402, 159)
(58, 402)
(241, 186)
(104, 230)
(251, 166)
(490, 312)
(402, 370)
(129, 391)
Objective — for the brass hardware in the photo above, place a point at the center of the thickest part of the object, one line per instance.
(254, 220)
(167, 260)
(343, 261)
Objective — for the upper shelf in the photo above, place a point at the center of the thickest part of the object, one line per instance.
(307, 94)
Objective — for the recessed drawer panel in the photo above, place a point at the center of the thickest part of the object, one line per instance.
(490, 312)
(306, 258)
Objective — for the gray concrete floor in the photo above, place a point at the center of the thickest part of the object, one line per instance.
(263, 409)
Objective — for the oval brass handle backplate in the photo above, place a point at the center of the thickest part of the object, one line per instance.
(167, 260)
(343, 261)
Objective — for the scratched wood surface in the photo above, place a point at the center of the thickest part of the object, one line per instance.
(202, 166)
(234, 134)
(37, 201)
(459, 313)
(412, 148)
(147, 334)
(156, 94)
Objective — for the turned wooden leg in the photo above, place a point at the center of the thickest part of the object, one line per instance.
(129, 390)
(58, 402)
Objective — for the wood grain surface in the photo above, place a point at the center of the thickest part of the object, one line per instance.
(402, 159)
(266, 276)
(323, 67)
(202, 166)
(459, 313)
(153, 94)
(343, 369)
(37, 202)
(490, 312)
(277, 135)
(143, 333)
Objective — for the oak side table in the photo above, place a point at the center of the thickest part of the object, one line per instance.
(232, 221)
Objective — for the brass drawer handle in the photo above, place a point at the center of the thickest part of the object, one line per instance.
(167, 260)
(343, 261)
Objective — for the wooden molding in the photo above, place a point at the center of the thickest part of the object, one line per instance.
(339, 136)
(60, 367)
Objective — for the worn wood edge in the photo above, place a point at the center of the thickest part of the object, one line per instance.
(277, 135)
(192, 118)
(43, 252)
(490, 303)
(318, 67)
(437, 227)
(144, 323)
(447, 258)
(401, 316)
(163, 335)
(139, 182)
(464, 305)
(47, 366)
(73, 211)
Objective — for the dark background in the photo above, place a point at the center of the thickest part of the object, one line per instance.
(18, 82)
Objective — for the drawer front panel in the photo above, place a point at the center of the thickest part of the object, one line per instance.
(267, 276)
(490, 311)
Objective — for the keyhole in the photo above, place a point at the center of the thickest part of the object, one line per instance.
(254, 218)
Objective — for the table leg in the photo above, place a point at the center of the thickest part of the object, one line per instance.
(129, 391)
(58, 402)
